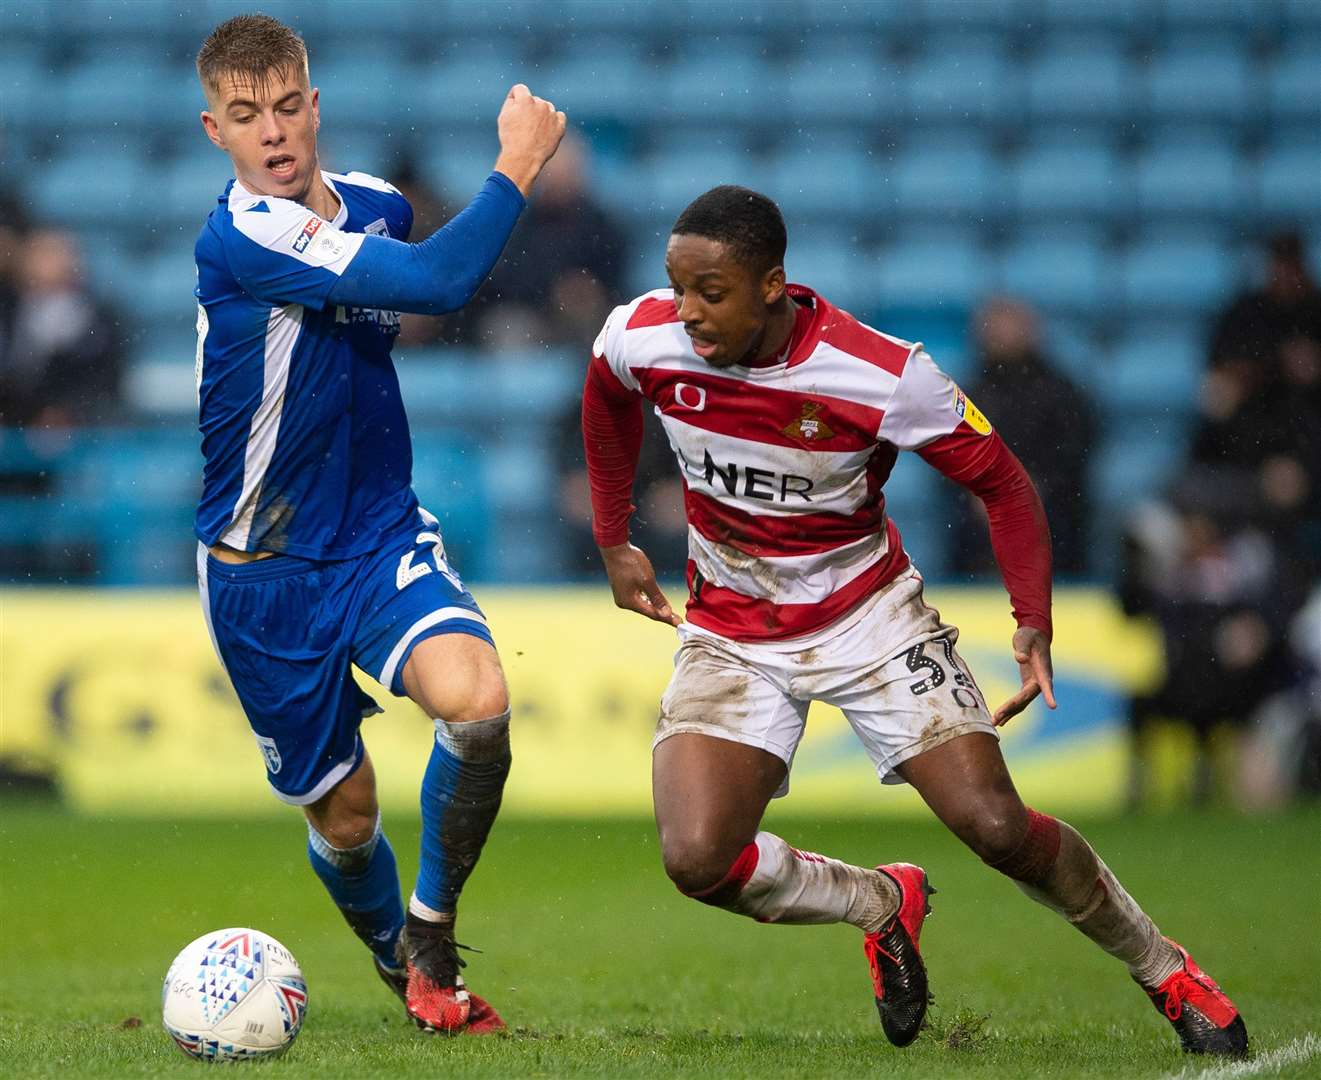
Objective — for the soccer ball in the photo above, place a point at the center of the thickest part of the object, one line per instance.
(232, 994)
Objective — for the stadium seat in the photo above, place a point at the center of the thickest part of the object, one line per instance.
(367, 86)
(126, 93)
(1125, 16)
(718, 89)
(1289, 185)
(1211, 81)
(951, 183)
(1292, 86)
(1246, 18)
(165, 292)
(463, 91)
(1195, 179)
(826, 178)
(840, 83)
(668, 184)
(834, 264)
(964, 81)
(602, 84)
(935, 275)
(1058, 275)
(1129, 468)
(1302, 16)
(1071, 181)
(189, 188)
(89, 183)
(1175, 273)
(1152, 374)
(1083, 79)
(996, 15)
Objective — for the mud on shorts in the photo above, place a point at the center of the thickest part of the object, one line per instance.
(891, 668)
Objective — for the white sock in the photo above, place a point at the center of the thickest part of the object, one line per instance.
(801, 887)
(416, 907)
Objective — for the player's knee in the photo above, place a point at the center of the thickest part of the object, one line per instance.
(488, 700)
(1032, 856)
(696, 861)
(347, 829)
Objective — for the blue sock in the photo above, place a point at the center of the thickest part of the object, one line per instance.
(461, 791)
(364, 883)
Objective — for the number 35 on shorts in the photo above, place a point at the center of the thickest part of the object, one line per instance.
(413, 565)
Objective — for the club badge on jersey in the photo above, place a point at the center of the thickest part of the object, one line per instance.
(809, 425)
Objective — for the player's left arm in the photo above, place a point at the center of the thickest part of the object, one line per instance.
(931, 415)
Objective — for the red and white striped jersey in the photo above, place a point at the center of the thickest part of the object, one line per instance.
(783, 465)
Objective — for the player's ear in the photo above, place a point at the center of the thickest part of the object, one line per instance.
(772, 286)
(316, 109)
(212, 129)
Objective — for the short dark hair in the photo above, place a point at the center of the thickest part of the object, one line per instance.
(745, 221)
(251, 48)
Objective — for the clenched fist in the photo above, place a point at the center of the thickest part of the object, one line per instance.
(530, 131)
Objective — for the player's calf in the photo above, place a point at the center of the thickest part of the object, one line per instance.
(1055, 866)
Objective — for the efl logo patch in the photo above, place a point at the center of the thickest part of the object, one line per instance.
(310, 227)
(970, 414)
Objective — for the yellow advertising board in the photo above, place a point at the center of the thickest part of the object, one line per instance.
(121, 693)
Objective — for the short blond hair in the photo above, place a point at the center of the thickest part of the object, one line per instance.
(250, 49)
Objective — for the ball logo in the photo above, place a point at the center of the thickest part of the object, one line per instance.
(688, 396)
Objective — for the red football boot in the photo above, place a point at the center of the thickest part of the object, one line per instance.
(898, 976)
(1206, 1020)
(436, 997)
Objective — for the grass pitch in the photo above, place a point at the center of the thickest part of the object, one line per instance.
(602, 969)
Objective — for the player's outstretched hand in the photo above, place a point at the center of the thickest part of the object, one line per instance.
(530, 133)
(1032, 652)
(633, 581)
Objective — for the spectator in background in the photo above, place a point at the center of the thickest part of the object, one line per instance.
(1045, 418)
(562, 270)
(1225, 565)
(60, 353)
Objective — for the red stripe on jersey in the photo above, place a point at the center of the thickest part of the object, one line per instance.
(746, 618)
(763, 414)
(652, 312)
(844, 332)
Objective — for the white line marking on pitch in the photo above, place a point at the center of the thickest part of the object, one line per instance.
(1294, 1053)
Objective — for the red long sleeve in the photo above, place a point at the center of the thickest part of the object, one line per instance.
(1020, 536)
(612, 439)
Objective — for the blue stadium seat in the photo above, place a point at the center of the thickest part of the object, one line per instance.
(1293, 89)
(188, 188)
(837, 82)
(1074, 180)
(459, 166)
(602, 84)
(1082, 79)
(997, 15)
(1175, 273)
(668, 184)
(1153, 374)
(718, 89)
(952, 182)
(368, 86)
(832, 263)
(1289, 184)
(1210, 81)
(1129, 468)
(966, 81)
(108, 91)
(1244, 17)
(1195, 178)
(164, 296)
(1074, 15)
(346, 148)
(463, 91)
(935, 275)
(1070, 275)
(1302, 15)
(822, 177)
(91, 183)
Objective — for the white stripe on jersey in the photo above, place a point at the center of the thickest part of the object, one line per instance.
(838, 480)
(282, 330)
(785, 580)
(282, 226)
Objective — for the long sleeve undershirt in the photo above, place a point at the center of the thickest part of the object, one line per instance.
(441, 273)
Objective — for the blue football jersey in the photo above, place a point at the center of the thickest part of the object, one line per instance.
(304, 436)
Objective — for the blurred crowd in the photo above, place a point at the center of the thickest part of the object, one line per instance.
(1228, 563)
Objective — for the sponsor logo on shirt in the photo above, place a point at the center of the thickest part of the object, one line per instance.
(310, 227)
(809, 426)
(970, 414)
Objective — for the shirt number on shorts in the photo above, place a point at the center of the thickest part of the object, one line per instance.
(409, 571)
(917, 660)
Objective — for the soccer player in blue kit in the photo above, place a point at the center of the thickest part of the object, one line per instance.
(314, 553)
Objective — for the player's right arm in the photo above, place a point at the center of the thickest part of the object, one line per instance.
(282, 253)
(612, 439)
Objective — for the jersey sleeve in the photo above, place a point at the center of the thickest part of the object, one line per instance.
(927, 404)
(608, 350)
(282, 253)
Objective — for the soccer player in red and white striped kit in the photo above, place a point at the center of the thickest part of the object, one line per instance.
(786, 415)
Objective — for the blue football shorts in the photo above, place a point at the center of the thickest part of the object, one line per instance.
(287, 630)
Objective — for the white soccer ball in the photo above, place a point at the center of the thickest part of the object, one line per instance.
(235, 993)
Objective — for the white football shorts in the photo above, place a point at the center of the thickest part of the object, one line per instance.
(889, 665)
